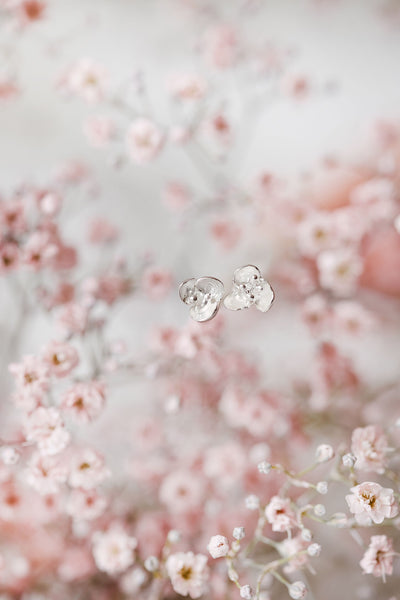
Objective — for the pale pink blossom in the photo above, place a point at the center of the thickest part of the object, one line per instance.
(144, 141)
(316, 233)
(156, 282)
(280, 514)
(87, 469)
(99, 130)
(45, 427)
(187, 86)
(188, 573)
(371, 503)
(292, 547)
(225, 463)
(108, 287)
(46, 473)
(218, 546)
(85, 504)
(40, 250)
(61, 358)
(84, 401)
(31, 377)
(49, 202)
(113, 550)
(370, 446)
(339, 271)
(13, 217)
(73, 318)
(352, 317)
(378, 558)
(182, 491)
(87, 79)
(316, 313)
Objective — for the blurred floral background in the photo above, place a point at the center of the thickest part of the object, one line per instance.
(146, 455)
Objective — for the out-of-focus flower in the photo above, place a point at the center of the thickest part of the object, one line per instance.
(187, 86)
(84, 401)
(188, 573)
(87, 79)
(156, 282)
(45, 473)
(85, 504)
(144, 141)
(113, 550)
(182, 491)
(339, 271)
(61, 358)
(87, 469)
(378, 558)
(280, 514)
(370, 446)
(45, 427)
(371, 503)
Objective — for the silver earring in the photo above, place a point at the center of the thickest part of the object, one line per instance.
(249, 288)
(203, 296)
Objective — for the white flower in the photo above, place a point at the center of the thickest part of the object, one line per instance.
(323, 453)
(113, 550)
(188, 573)
(238, 533)
(297, 590)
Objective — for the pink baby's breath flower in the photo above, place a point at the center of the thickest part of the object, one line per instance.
(40, 250)
(182, 491)
(225, 463)
(84, 401)
(144, 141)
(13, 217)
(339, 271)
(293, 547)
(31, 376)
(316, 313)
(85, 504)
(61, 358)
(73, 318)
(280, 514)
(45, 427)
(113, 550)
(371, 503)
(218, 546)
(48, 202)
(378, 558)
(156, 283)
(369, 445)
(45, 473)
(188, 573)
(187, 86)
(316, 233)
(87, 79)
(352, 317)
(99, 130)
(87, 469)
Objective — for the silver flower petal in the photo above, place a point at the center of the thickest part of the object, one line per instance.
(249, 288)
(203, 296)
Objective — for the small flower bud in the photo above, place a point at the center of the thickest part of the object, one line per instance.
(239, 533)
(252, 502)
(323, 453)
(174, 536)
(319, 510)
(264, 467)
(151, 563)
(348, 460)
(314, 550)
(306, 535)
(297, 590)
(218, 546)
(322, 487)
(246, 593)
(10, 455)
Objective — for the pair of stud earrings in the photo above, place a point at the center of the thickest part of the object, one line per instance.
(205, 294)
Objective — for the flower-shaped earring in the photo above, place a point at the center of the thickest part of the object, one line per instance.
(249, 288)
(203, 295)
